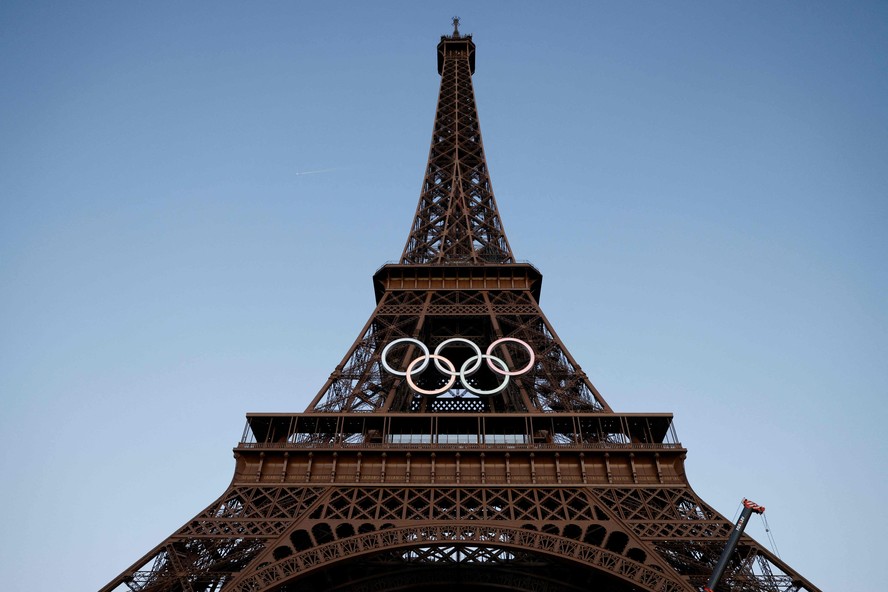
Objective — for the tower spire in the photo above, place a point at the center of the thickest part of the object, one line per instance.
(456, 221)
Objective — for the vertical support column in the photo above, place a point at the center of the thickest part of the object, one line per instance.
(497, 330)
(457, 467)
(286, 464)
(261, 464)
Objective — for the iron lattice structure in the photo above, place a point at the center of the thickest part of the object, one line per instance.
(535, 484)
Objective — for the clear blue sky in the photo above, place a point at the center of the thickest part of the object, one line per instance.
(193, 197)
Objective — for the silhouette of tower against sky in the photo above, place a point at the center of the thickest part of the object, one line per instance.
(458, 442)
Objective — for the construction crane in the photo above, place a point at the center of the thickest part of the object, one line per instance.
(748, 508)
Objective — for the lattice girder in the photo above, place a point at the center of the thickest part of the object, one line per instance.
(360, 383)
(470, 535)
(295, 530)
(219, 542)
(457, 219)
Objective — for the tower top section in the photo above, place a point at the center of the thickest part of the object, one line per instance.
(456, 44)
(457, 221)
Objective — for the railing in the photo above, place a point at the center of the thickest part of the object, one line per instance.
(465, 478)
(456, 263)
(458, 446)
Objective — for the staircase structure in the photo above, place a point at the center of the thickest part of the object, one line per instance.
(458, 443)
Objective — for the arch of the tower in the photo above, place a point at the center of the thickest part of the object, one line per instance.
(471, 554)
(444, 568)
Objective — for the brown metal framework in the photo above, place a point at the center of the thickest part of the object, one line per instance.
(457, 220)
(539, 486)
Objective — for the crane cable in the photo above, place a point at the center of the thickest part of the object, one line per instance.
(771, 540)
(771, 536)
(737, 512)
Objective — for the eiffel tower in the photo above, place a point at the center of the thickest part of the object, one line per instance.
(458, 442)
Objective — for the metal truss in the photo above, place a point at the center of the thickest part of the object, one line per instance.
(457, 220)
(537, 487)
(556, 382)
(278, 537)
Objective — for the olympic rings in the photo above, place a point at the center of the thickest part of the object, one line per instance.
(490, 359)
(516, 372)
(443, 389)
(425, 355)
(468, 368)
(447, 342)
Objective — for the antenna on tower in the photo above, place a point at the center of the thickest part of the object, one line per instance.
(456, 26)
